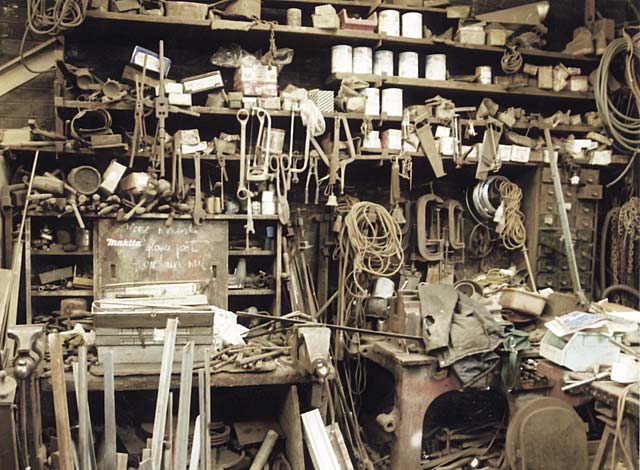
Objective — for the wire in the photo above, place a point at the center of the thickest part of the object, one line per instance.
(622, 125)
(51, 18)
(513, 233)
(511, 60)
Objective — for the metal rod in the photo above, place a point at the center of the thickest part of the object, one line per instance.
(601, 375)
(160, 419)
(201, 421)
(564, 221)
(184, 407)
(329, 325)
(59, 386)
(110, 450)
(207, 415)
(82, 397)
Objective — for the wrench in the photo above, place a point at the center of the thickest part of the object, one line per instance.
(198, 212)
(243, 116)
(261, 174)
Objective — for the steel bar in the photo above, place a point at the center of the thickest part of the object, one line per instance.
(564, 220)
(208, 464)
(201, 422)
(59, 386)
(110, 452)
(184, 407)
(160, 419)
(329, 325)
(83, 397)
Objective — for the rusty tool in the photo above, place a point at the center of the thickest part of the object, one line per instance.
(199, 213)
(243, 192)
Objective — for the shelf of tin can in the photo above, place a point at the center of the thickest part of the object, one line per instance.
(302, 36)
(458, 87)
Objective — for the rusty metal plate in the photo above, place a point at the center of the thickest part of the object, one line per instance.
(547, 434)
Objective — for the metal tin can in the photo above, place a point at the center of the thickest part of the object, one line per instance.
(342, 59)
(408, 65)
(294, 17)
(383, 63)
(363, 60)
(412, 25)
(436, 67)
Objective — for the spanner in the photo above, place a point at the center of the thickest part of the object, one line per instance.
(243, 116)
(199, 213)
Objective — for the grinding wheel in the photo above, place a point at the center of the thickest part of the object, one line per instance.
(547, 434)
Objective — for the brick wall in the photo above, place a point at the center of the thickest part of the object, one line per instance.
(35, 98)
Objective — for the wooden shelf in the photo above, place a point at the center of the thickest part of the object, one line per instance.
(61, 253)
(315, 37)
(454, 87)
(250, 252)
(256, 292)
(63, 293)
(371, 6)
(165, 216)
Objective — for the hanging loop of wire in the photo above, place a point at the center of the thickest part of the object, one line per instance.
(511, 60)
(513, 233)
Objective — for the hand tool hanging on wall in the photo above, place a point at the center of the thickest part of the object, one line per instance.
(489, 158)
(564, 220)
(428, 144)
(139, 126)
(199, 213)
(243, 191)
(430, 243)
(162, 112)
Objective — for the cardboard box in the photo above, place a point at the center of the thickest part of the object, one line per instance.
(204, 82)
(256, 80)
(152, 60)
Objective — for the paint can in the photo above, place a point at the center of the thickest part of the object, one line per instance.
(392, 101)
(342, 59)
(392, 139)
(408, 65)
(436, 67)
(276, 144)
(389, 22)
(372, 107)
(483, 73)
(412, 25)
(294, 17)
(383, 63)
(363, 60)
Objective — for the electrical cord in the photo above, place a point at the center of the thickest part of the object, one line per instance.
(623, 125)
(51, 18)
(513, 232)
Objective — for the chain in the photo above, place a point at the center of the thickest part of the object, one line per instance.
(625, 235)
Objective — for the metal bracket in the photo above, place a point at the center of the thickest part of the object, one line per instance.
(430, 243)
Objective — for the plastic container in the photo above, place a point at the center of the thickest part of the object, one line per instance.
(408, 65)
(342, 59)
(580, 351)
(436, 67)
(383, 63)
(412, 25)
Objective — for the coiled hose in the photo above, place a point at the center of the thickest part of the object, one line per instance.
(621, 122)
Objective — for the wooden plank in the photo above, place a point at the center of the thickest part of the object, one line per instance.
(459, 87)
(333, 37)
(109, 413)
(163, 394)
(135, 379)
(15, 73)
(184, 408)
(291, 424)
(63, 428)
